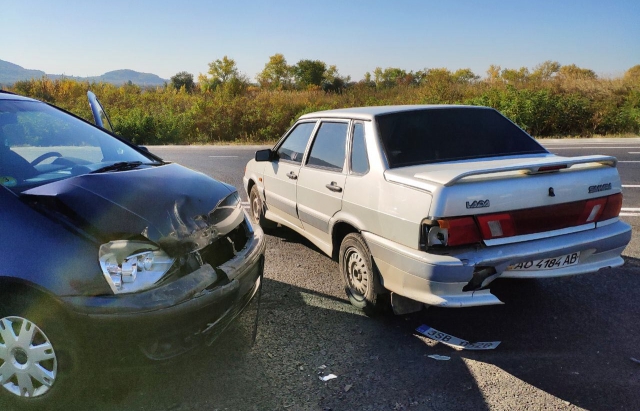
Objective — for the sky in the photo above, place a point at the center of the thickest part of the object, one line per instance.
(89, 38)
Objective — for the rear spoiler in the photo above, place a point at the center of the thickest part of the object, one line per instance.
(449, 177)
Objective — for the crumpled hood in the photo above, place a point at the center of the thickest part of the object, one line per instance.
(170, 205)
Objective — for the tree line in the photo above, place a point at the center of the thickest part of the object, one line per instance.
(223, 105)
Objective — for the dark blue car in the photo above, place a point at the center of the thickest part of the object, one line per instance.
(107, 251)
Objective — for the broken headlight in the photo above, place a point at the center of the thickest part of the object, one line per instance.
(131, 266)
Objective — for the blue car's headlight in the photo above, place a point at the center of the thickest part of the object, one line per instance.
(131, 266)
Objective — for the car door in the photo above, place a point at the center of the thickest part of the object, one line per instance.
(321, 180)
(281, 175)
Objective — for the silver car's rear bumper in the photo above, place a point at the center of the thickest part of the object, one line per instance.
(438, 279)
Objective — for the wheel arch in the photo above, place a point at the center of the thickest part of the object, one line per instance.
(338, 233)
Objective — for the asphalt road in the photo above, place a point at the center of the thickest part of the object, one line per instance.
(566, 343)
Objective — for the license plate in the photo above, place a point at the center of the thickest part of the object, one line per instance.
(547, 263)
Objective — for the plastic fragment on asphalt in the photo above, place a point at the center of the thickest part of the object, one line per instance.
(347, 387)
(635, 360)
(328, 377)
(439, 357)
(455, 342)
(322, 367)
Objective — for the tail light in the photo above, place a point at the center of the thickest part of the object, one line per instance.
(473, 229)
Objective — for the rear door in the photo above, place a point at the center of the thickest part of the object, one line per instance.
(322, 178)
(281, 175)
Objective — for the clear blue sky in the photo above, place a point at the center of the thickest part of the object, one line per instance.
(86, 38)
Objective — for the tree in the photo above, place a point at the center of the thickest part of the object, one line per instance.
(388, 77)
(309, 73)
(224, 73)
(223, 70)
(183, 79)
(465, 76)
(633, 74)
(545, 71)
(276, 73)
(493, 73)
(513, 76)
(574, 72)
(333, 81)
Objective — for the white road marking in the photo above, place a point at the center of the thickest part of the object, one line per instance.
(223, 156)
(632, 210)
(634, 152)
(630, 161)
(631, 186)
(629, 214)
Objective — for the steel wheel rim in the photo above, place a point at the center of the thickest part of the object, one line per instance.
(28, 362)
(256, 208)
(357, 273)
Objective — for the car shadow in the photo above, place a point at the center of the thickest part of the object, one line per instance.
(563, 341)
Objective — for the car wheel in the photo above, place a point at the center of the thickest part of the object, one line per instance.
(37, 358)
(362, 284)
(257, 210)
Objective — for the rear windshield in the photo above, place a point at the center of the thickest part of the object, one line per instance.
(445, 134)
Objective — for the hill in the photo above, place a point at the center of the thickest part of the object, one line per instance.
(10, 73)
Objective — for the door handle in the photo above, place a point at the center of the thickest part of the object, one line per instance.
(334, 187)
(292, 175)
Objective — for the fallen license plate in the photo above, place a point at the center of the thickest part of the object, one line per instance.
(547, 263)
(455, 342)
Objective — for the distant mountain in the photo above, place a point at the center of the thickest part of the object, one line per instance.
(10, 73)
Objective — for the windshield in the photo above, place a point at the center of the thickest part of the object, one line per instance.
(452, 133)
(40, 144)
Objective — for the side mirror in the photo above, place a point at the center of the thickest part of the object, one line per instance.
(143, 148)
(265, 155)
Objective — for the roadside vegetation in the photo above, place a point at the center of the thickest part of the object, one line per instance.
(223, 105)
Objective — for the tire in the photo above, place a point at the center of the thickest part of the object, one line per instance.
(362, 282)
(257, 210)
(38, 355)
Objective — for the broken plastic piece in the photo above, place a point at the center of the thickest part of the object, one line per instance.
(328, 377)
(635, 360)
(455, 342)
(439, 357)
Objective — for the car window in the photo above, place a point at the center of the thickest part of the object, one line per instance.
(328, 150)
(40, 144)
(359, 160)
(293, 147)
(446, 134)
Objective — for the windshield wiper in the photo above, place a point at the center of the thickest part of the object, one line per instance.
(119, 166)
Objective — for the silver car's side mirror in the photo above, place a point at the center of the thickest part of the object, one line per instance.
(265, 155)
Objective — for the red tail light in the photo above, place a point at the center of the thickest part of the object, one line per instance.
(461, 231)
(469, 230)
(612, 208)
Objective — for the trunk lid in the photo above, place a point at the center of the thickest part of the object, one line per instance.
(505, 184)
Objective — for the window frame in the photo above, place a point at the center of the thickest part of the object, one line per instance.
(350, 147)
(313, 140)
(286, 136)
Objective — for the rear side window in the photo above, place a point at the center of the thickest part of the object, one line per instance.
(293, 147)
(328, 150)
(359, 160)
(447, 134)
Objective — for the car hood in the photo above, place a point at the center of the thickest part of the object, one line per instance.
(170, 205)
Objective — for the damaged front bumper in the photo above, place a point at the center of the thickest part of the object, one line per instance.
(173, 318)
(442, 280)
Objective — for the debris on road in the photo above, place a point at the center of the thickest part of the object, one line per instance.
(635, 360)
(455, 342)
(328, 377)
(347, 387)
(322, 367)
(439, 357)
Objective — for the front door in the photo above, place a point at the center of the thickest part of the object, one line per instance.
(321, 180)
(281, 175)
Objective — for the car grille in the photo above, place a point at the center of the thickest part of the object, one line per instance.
(225, 248)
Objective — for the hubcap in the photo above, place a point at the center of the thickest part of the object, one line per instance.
(28, 363)
(357, 273)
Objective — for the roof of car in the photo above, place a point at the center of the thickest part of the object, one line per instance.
(368, 113)
(6, 95)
